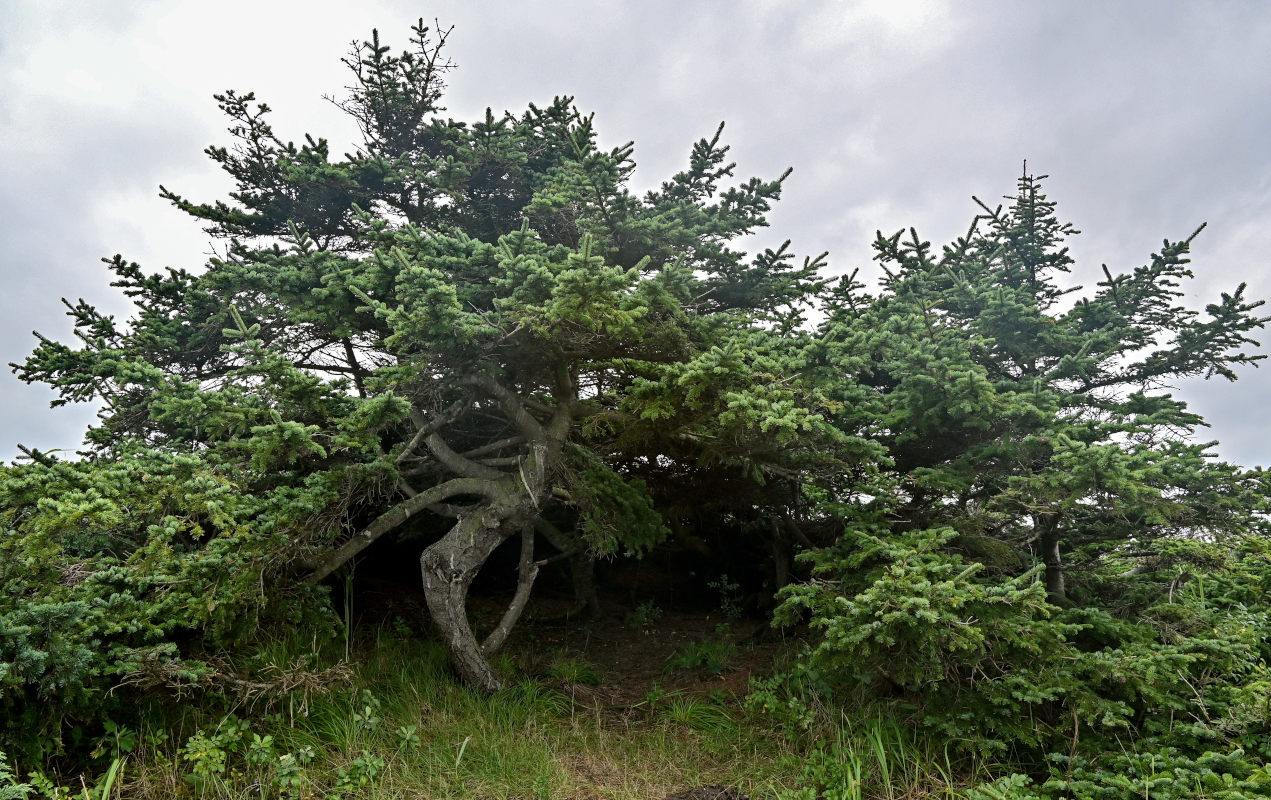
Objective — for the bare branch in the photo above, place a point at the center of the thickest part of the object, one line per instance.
(526, 572)
(457, 463)
(428, 428)
(512, 403)
(396, 516)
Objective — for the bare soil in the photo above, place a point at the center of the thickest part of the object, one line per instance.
(630, 653)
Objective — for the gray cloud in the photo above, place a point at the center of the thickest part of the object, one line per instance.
(1150, 116)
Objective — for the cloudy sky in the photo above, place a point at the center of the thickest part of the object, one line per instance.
(1151, 117)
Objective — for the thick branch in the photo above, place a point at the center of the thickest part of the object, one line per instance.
(394, 517)
(503, 461)
(526, 574)
(512, 404)
(457, 463)
(428, 428)
(492, 447)
(557, 538)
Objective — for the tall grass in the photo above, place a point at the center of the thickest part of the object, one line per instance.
(405, 729)
(401, 727)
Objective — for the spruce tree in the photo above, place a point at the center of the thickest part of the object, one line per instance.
(463, 331)
(1039, 416)
(1041, 496)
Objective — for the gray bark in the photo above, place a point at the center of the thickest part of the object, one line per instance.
(526, 572)
(582, 569)
(391, 519)
(448, 567)
(1048, 539)
(451, 563)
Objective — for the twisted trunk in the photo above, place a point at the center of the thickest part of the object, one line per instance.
(526, 572)
(451, 563)
(448, 567)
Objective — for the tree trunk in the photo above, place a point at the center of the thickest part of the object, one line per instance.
(1056, 591)
(513, 502)
(526, 572)
(582, 568)
(448, 567)
(780, 556)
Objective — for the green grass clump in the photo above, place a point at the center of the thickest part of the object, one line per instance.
(712, 656)
(401, 727)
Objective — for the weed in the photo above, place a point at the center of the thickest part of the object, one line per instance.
(643, 616)
(570, 670)
(407, 738)
(117, 740)
(206, 756)
(710, 655)
(366, 712)
(260, 751)
(288, 775)
(730, 602)
(656, 697)
(361, 772)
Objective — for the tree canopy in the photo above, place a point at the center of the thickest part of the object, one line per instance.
(476, 322)
(464, 334)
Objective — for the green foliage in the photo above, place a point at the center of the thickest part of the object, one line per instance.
(1029, 573)
(643, 616)
(360, 774)
(729, 598)
(902, 613)
(871, 758)
(711, 655)
(569, 670)
(477, 315)
(1010, 538)
(10, 788)
(613, 511)
(692, 712)
(106, 563)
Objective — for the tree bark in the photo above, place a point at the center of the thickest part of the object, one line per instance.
(392, 518)
(526, 572)
(582, 568)
(512, 503)
(780, 559)
(448, 567)
(1048, 537)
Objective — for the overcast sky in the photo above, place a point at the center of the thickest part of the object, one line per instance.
(1151, 117)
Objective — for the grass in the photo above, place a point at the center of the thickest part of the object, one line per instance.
(712, 655)
(401, 727)
(404, 729)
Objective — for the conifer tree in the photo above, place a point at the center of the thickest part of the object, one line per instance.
(467, 329)
(1036, 418)
(1038, 487)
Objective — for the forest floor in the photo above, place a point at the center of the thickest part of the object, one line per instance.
(632, 647)
(649, 702)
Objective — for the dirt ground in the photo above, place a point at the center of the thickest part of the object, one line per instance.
(630, 656)
(630, 646)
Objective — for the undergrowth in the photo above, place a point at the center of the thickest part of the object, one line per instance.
(401, 727)
(394, 723)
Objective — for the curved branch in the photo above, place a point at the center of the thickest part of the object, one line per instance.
(428, 428)
(492, 447)
(457, 463)
(450, 510)
(512, 403)
(394, 517)
(526, 573)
